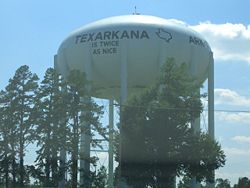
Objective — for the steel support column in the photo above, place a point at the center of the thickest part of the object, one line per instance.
(111, 145)
(211, 104)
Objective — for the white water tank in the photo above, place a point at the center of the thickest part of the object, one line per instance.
(143, 42)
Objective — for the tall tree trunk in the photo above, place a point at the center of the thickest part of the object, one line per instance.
(62, 169)
(6, 169)
(21, 164)
(74, 168)
(47, 159)
(13, 164)
(21, 142)
(54, 168)
(47, 168)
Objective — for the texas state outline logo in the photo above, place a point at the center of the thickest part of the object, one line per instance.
(164, 35)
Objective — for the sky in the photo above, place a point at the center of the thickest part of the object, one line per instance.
(31, 32)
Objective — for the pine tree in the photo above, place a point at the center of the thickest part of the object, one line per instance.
(9, 136)
(47, 119)
(21, 90)
(5, 136)
(77, 89)
(157, 141)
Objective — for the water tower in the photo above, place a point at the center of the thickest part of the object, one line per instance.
(122, 55)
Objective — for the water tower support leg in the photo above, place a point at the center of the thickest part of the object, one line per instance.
(111, 151)
(211, 100)
(211, 104)
(85, 139)
(124, 77)
(123, 96)
(62, 157)
(196, 127)
(196, 123)
(85, 153)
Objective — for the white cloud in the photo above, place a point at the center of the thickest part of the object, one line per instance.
(175, 21)
(240, 117)
(244, 139)
(226, 102)
(229, 97)
(237, 152)
(228, 41)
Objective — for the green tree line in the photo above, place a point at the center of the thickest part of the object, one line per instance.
(48, 114)
(243, 182)
(155, 144)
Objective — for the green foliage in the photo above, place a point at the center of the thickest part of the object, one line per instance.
(60, 122)
(222, 183)
(242, 183)
(51, 117)
(5, 150)
(20, 96)
(46, 116)
(82, 112)
(99, 178)
(157, 122)
(185, 182)
(157, 139)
